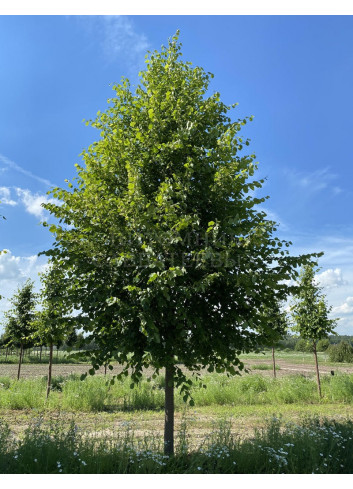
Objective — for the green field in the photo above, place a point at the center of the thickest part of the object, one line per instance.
(244, 424)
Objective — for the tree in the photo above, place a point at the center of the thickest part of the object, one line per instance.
(52, 326)
(19, 326)
(303, 346)
(342, 352)
(310, 313)
(276, 328)
(4, 343)
(166, 254)
(71, 339)
(323, 345)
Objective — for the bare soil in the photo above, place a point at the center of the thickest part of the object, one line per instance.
(286, 368)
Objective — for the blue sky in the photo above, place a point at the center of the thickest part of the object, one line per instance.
(293, 73)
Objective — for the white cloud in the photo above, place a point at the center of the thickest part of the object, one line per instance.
(331, 278)
(33, 202)
(9, 266)
(345, 308)
(11, 164)
(5, 196)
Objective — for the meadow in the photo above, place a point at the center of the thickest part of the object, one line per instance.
(251, 423)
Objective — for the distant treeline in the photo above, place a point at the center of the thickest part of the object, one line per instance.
(296, 343)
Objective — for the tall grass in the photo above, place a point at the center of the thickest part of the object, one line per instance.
(313, 446)
(93, 394)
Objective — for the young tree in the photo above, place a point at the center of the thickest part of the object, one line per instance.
(167, 257)
(19, 326)
(71, 339)
(52, 325)
(276, 328)
(4, 344)
(310, 313)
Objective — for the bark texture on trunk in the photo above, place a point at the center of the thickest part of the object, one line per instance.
(274, 361)
(50, 368)
(19, 363)
(169, 412)
(317, 370)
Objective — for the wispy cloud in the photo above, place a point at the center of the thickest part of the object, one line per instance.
(273, 216)
(118, 38)
(5, 196)
(33, 202)
(315, 181)
(14, 166)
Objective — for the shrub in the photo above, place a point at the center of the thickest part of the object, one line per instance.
(303, 345)
(343, 352)
(323, 344)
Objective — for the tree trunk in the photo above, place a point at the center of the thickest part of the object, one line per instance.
(274, 362)
(40, 354)
(7, 350)
(105, 368)
(169, 412)
(19, 363)
(50, 367)
(317, 370)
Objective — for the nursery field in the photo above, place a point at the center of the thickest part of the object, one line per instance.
(251, 423)
(288, 363)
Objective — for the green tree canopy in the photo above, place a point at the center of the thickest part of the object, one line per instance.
(167, 256)
(276, 326)
(310, 310)
(52, 323)
(19, 325)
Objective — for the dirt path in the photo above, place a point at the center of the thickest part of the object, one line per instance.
(286, 368)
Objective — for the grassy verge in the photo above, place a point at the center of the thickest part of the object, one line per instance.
(95, 394)
(293, 357)
(62, 358)
(312, 446)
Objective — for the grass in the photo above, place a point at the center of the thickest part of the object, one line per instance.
(294, 357)
(95, 394)
(61, 358)
(264, 366)
(311, 446)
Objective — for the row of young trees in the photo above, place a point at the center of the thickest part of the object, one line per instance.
(51, 324)
(27, 327)
(160, 243)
